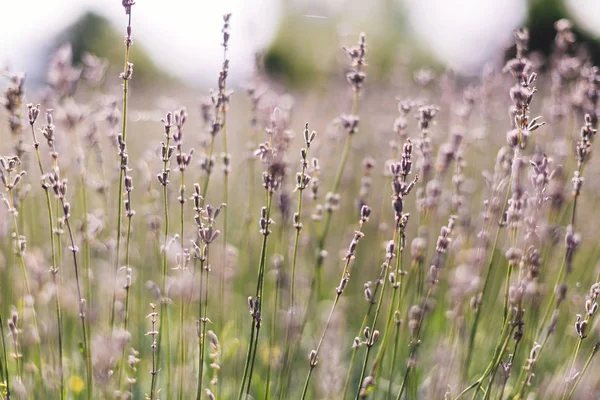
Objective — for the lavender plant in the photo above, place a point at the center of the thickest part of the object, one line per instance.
(500, 304)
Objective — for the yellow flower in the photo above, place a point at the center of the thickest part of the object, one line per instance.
(76, 384)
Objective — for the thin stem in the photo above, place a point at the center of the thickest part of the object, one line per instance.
(583, 371)
(260, 286)
(154, 371)
(273, 326)
(334, 189)
(54, 267)
(315, 285)
(571, 368)
(204, 320)
(485, 290)
(87, 355)
(383, 276)
(5, 359)
(355, 350)
(20, 256)
(415, 343)
(208, 170)
(127, 297)
(164, 321)
(500, 346)
(200, 337)
(313, 365)
(396, 294)
(182, 305)
(393, 360)
(122, 169)
(298, 226)
(225, 193)
(339, 290)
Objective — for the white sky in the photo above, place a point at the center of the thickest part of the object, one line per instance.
(184, 36)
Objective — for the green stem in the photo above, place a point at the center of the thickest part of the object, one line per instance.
(273, 326)
(485, 290)
(251, 355)
(121, 175)
(500, 346)
(355, 350)
(20, 256)
(86, 352)
(208, 171)
(5, 359)
(259, 288)
(396, 294)
(200, 337)
(415, 343)
(225, 212)
(54, 267)
(204, 320)
(384, 277)
(583, 371)
(312, 366)
(339, 292)
(393, 361)
(164, 321)
(127, 295)
(182, 305)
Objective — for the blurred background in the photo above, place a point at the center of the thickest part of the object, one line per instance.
(181, 41)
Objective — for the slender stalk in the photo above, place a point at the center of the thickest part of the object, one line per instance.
(485, 290)
(164, 321)
(302, 180)
(153, 333)
(82, 306)
(54, 266)
(247, 364)
(200, 337)
(357, 56)
(255, 327)
(396, 294)
(500, 346)
(437, 263)
(5, 359)
(559, 279)
(260, 286)
(393, 359)
(274, 318)
(61, 372)
(205, 320)
(314, 354)
(10, 188)
(323, 236)
(127, 287)
(182, 346)
(226, 157)
(206, 181)
(313, 364)
(355, 350)
(383, 277)
(126, 76)
(583, 371)
(321, 241)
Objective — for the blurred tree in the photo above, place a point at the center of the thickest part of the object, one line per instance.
(542, 15)
(95, 34)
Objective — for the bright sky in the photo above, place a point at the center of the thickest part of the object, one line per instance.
(184, 36)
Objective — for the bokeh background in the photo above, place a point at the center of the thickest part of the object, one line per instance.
(181, 41)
